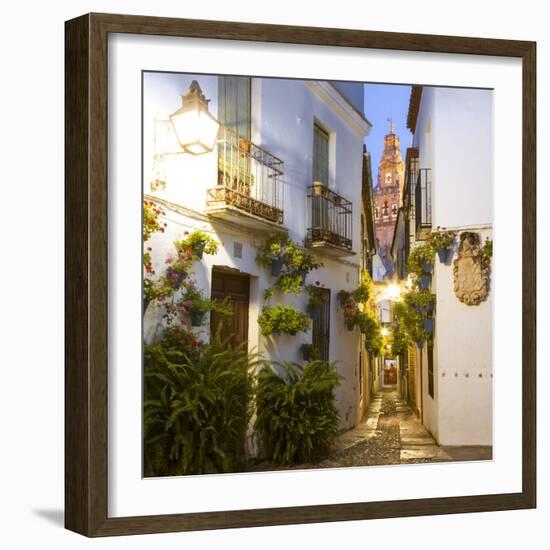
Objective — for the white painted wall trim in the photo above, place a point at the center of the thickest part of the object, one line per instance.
(336, 101)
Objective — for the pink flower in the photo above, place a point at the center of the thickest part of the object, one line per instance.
(168, 261)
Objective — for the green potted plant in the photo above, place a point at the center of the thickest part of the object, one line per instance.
(198, 242)
(309, 353)
(270, 254)
(316, 298)
(422, 301)
(282, 319)
(283, 255)
(442, 241)
(349, 308)
(197, 305)
(420, 260)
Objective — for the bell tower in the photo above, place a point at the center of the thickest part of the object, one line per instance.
(388, 195)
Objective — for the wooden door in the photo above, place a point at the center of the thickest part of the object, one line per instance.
(236, 287)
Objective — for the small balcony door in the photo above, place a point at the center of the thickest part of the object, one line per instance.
(236, 287)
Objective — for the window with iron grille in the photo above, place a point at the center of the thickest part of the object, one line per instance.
(321, 328)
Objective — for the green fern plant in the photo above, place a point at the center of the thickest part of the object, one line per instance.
(296, 416)
(197, 408)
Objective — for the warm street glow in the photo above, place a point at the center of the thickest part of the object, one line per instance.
(385, 331)
(393, 292)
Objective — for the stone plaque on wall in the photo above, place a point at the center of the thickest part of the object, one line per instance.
(471, 270)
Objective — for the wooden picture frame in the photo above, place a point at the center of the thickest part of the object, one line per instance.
(86, 282)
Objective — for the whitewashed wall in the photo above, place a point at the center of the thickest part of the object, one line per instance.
(283, 114)
(455, 137)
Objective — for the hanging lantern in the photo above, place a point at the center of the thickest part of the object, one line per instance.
(196, 129)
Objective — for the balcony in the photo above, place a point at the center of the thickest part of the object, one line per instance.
(331, 222)
(249, 190)
(423, 204)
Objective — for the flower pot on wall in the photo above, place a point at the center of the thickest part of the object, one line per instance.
(420, 344)
(429, 325)
(198, 250)
(306, 352)
(350, 325)
(425, 281)
(314, 312)
(276, 267)
(445, 254)
(146, 303)
(176, 278)
(197, 318)
(427, 267)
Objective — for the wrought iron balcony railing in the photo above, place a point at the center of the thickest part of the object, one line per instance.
(423, 203)
(331, 218)
(249, 179)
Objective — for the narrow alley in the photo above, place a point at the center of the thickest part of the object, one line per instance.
(392, 434)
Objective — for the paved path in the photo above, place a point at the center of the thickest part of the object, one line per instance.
(392, 434)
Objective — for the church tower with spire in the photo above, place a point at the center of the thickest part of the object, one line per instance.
(388, 195)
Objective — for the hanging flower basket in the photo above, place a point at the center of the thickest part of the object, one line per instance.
(425, 281)
(197, 317)
(276, 266)
(420, 344)
(445, 254)
(429, 325)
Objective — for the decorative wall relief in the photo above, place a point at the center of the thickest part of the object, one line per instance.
(471, 270)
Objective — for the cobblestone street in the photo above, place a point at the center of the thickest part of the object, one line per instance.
(391, 434)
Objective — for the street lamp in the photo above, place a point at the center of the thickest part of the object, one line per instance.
(196, 129)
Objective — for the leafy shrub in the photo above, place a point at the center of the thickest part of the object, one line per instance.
(290, 283)
(197, 406)
(296, 416)
(282, 319)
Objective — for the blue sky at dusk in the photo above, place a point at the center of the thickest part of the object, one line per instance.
(383, 101)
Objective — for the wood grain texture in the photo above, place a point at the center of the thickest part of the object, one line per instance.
(86, 280)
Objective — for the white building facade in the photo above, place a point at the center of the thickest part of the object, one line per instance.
(277, 138)
(449, 179)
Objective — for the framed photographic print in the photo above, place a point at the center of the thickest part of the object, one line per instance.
(300, 280)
